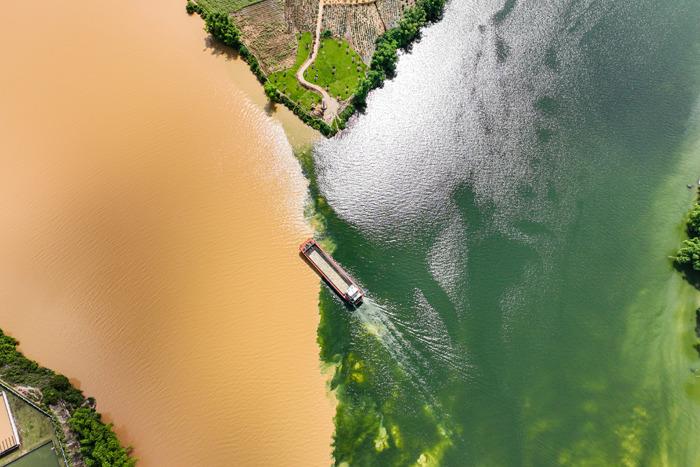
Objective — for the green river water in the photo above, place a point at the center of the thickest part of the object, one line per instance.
(509, 203)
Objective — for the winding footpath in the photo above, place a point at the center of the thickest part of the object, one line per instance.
(330, 105)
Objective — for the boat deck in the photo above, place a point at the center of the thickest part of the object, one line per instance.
(326, 267)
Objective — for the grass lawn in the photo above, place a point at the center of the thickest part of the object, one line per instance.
(338, 68)
(287, 83)
(225, 6)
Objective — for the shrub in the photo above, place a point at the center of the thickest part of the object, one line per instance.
(693, 224)
(98, 443)
(271, 91)
(689, 254)
(192, 8)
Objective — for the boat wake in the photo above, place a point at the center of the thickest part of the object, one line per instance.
(401, 339)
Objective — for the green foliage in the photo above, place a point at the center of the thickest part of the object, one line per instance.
(306, 117)
(688, 256)
(337, 68)
(383, 64)
(409, 27)
(693, 223)
(15, 368)
(192, 8)
(220, 26)
(287, 83)
(327, 34)
(373, 80)
(433, 9)
(344, 116)
(98, 443)
(59, 388)
(271, 91)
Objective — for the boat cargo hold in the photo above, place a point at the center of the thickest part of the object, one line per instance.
(331, 272)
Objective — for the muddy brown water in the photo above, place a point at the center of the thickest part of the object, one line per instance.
(150, 210)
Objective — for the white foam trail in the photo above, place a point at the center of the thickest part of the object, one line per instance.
(392, 331)
(379, 323)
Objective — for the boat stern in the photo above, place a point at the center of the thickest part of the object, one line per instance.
(354, 295)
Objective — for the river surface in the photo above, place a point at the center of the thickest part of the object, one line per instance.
(509, 202)
(150, 212)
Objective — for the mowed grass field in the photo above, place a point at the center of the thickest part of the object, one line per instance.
(225, 6)
(337, 68)
(286, 81)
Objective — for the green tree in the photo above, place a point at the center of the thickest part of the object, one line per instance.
(271, 91)
(98, 443)
(220, 26)
(693, 224)
(433, 9)
(192, 7)
(689, 254)
(409, 26)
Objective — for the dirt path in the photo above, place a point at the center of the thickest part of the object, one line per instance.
(330, 105)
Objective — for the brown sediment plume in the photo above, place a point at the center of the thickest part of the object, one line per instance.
(149, 222)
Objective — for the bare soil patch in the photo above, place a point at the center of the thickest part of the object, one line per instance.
(268, 34)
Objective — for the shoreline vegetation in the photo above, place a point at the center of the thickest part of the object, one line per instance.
(382, 65)
(687, 258)
(85, 438)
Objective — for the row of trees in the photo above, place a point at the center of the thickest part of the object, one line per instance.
(15, 368)
(688, 256)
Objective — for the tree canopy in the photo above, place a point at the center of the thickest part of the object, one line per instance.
(383, 63)
(98, 443)
(688, 255)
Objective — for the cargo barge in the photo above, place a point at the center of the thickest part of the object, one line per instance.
(331, 272)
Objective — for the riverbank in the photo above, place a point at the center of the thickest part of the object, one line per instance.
(127, 259)
(74, 414)
(326, 114)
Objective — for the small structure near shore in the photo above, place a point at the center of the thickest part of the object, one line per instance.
(9, 438)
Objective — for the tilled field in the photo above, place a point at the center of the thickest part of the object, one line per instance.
(301, 14)
(270, 26)
(360, 25)
(268, 34)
